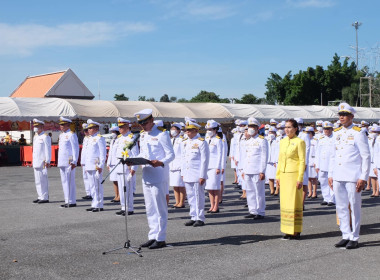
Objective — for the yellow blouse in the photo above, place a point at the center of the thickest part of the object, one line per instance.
(291, 157)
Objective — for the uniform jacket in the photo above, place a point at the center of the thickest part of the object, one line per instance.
(119, 145)
(195, 159)
(41, 149)
(215, 147)
(96, 152)
(351, 158)
(325, 149)
(68, 151)
(305, 137)
(83, 153)
(112, 158)
(175, 165)
(292, 157)
(255, 155)
(155, 145)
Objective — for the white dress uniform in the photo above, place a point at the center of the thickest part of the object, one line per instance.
(195, 161)
(112, 160)
(376, 153)
(324, 151)
(41, 155)
(273, 150)
(224, 158)
(122, 142)
(350, 162)
(96, 153)
(82, 163)
(68, 153)
(233, 148)
(313, 148)
(175, 177)
(215, 146)
(239, 148)
(371, 144)
(156, 145)
(303, 135)
(254, 160)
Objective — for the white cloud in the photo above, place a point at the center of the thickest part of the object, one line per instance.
(311, 3)
(263, 16)
(25, 38)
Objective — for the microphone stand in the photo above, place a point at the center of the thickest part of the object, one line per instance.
(127, 243)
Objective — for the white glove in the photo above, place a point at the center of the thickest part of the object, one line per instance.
(97, 175)
(129, 177)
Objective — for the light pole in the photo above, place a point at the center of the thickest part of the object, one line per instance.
(356, 24)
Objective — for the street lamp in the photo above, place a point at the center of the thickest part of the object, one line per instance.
(356, 24)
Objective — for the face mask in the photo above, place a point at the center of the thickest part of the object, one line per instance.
(271, 137)
(114, 135)
(266, 132)
(251, 131)
(281, 132)
(209, 133)
(173, 133)
(35, 129)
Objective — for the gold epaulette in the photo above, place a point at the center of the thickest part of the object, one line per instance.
(202, 139)
(337, 129)
(46, 134)
(262, 137)
(142, 131)
(181, 137)
(161, 128)
(130, 135)
(100, 135)
(72, 131)
(356, 128)
(217, 137)
(119, 135)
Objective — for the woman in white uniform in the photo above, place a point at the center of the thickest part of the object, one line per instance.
(214, 171)
(112, 161)
(224, 162)
(272, 158)
(175, 178)
(312, 186)
(372, 138)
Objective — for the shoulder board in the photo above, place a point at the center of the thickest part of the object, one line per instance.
(262, 137)
(161, 129)
(184, 140)
(337, 129)
(356, 128)
(201, 139)
(119, 135)
(100, 135)
(72, 132)
(181, 137)
(46, 134)
(130, 135)
(322, 137)
(217, 137)
(142, 131)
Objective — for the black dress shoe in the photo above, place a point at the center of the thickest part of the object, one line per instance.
(324, 203)
(352, 245)
(286, 237)
(331, 204)
(72, 205)
(90, 209)
(276, 194)
(68, 205)
(189, 223)
(148, 243)
(157, 245)
(87, 197)
(130, 213)
(208, 211)
(36, 201)
(121, 212)
(342, 243)
(178, 207)
(198, 224)
(43, 201)
(295, 237)
(250, 216)
(258, 217)
(97, 209)
(246, 206)
(173, 206)
(213, 212)
(63, 206)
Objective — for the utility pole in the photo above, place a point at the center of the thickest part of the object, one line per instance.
(356, 25)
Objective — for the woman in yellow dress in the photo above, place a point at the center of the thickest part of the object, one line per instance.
(289, 176)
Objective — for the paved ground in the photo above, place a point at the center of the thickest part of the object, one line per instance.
(47, 242)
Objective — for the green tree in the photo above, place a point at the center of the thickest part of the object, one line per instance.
(206, 96)
(141, 98)
(119, 97)
(182, 100)
(248, 99)
(151, 99)
(173, 99)
(164, 98)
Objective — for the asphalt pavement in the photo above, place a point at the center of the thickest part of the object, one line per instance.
(48, 242)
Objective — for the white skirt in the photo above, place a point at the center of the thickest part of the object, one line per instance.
(371, 173)
(312, 172)
(113, 175)
(175, 179)
(270, 172)
(213, 180)
(233, 165)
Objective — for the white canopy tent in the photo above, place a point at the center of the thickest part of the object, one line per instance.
(50, 109)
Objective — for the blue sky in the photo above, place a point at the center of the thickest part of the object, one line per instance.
(179, 47)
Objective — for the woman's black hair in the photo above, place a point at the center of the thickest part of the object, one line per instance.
(294, 124)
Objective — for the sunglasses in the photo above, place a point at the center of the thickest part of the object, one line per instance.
(344, 114)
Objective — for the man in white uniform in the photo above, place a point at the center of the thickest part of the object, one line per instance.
(41, 161)
(254, 159)
(125, 174)
(82, 162)
(325, 149)
(96, 153)
(303, 135)
(195, 160)
(68, 153)
(348, 172)
(155, 146)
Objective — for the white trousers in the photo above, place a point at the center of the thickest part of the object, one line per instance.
(239, 173)
(196, 198)
(68, 184)
(345, 193)
(94, 180)
(156, 210)
(255, 194)
(327, 192)
(42, 184)
(129, 189)
(85, 181)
